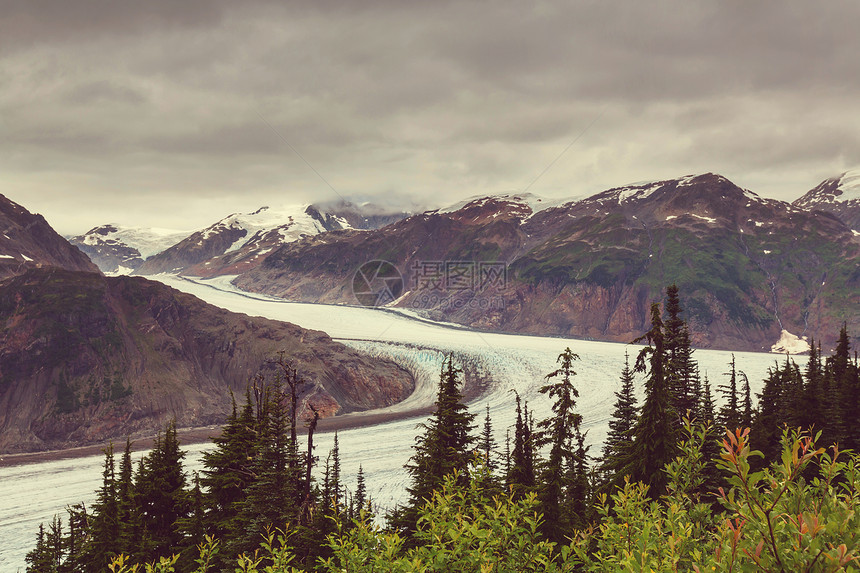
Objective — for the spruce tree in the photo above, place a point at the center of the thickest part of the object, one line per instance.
(711, 447)
(814, 391)
(846, 391)
(75, 540)
(557, 432)
(192, 527)
(680, 367)
(747, 412)
(521, 477)
(730, 415)
(619, 439)
(127, 514)
(161, 497)
(655, 435)
(580, 485)
(273, 496)
(442, 449)
(767, 427)
(38, 559)
(227, 471)
(361, 499)
(101, 540)
(487, 444)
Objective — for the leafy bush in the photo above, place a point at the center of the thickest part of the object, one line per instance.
(774, 519)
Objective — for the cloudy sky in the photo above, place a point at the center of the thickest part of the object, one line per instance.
(174, 114)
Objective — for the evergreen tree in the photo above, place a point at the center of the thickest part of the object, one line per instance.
(814, 390)
(161, 497)
(273, 496)
(332, 491)
(126, 509)
(580, 486)
(192, 527)
(730, 415)
(619, 439)
(655, 435)
(361, 499)
(747, 413)
(793, 398)
(227, 472)
(680, 366)
(74, 541)
(521, 477)
(487, 444)
(557, 432)
(442, 449)
(101, 541)
(769, 420)
(711, 446)
(38, 559)
(846, 392)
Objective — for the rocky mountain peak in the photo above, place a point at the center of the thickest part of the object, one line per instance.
(839, 195)
(26, 241)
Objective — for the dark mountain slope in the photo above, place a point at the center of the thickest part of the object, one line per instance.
(27, 241)
(85, 357)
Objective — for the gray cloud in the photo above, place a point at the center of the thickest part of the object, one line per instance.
(111, 110)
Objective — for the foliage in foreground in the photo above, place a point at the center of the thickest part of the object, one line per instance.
(800, 514)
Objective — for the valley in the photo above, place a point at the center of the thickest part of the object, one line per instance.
(505, 362)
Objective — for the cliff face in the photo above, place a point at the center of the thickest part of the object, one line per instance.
(85, 357)
(747, 267)
(27, 241)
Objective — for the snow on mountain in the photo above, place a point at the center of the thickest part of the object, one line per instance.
(535, 203)
(120, 250)
(243, 239)
(838, 195)
(292, 222)
(844, 188)
(146, 240)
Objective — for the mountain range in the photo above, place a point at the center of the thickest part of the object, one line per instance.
(752, 270)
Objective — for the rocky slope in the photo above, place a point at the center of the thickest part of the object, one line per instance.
(749, 268)
(27, 241)
(121, 250)
(85, 357)
(838, 195)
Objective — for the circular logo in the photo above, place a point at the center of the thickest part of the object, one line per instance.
(377, 283)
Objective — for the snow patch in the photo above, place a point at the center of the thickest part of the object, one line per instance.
(534, 202)
(638, 191)
(849, 184)
(702, 217)
(120, 271)
(29, 260)
(670, 217)
(790, 343)
(7, 257)
(765, 251)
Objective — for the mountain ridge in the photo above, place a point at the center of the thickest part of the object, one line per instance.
(750, 266)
